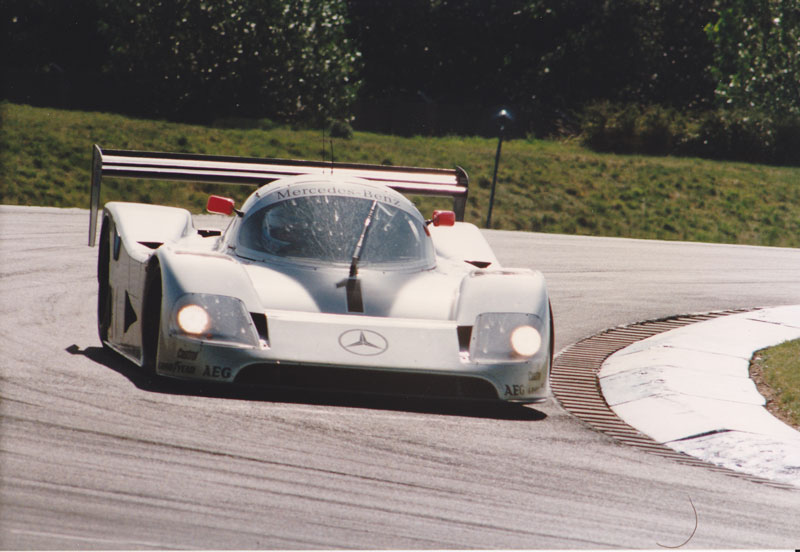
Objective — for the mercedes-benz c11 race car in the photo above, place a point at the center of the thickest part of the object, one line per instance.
(326, 277)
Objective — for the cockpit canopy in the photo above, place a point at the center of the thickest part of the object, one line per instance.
(324, 228)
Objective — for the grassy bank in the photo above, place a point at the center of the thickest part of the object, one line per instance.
(45, 156)
(777, 373)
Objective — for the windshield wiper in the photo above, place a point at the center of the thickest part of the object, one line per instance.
(355, 302)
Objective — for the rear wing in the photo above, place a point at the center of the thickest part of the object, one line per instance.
(252, 171)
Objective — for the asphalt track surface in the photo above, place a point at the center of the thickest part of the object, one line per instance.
(95, 456)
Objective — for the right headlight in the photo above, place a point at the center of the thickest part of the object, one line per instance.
(525, 341)
(506, 337)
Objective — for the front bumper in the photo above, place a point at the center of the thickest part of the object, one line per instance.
(328, 351)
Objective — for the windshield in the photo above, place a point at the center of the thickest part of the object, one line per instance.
(326, 228)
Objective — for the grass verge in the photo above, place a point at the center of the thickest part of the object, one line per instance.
(544, 186)
(776, 372)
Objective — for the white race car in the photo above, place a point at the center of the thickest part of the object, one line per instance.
(326, 277)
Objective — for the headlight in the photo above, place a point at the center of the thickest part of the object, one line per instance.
(216, 318)
(193, 319)
(525, 341)
(506, 337)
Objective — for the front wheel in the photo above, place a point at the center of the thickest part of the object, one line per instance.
(552, 333)
(103, 284)
(151, 317)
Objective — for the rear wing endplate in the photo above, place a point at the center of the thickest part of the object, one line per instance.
(252, 171)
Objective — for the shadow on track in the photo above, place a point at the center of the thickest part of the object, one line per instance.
(342, 398)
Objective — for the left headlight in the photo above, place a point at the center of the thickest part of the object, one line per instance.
(193, 319)
(216, 318)
(506, 337)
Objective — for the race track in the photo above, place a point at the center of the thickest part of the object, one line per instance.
(95, 456)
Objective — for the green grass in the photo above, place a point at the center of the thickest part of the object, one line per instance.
(546, 186)
(780, 367)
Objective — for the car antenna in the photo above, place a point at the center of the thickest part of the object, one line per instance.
(323, 148)
(323, 144)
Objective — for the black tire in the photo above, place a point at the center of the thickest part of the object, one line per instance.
(103, 284)
(552, 334)
(151, 316)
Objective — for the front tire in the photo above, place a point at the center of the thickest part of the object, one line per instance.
(103, 284)
(151, 317)
(552, 334)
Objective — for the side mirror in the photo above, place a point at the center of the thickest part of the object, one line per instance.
(443, 218)
(220, 205)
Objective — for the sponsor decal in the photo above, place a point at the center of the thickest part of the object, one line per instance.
(520, 390)
(363, 342)
(217, 372)
(187, 355)
(515, 390)
(177, 368)
(337, 190)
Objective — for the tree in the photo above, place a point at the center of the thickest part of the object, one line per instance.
(757, 55)
(543, 57)
(191, 60)
(51, 52)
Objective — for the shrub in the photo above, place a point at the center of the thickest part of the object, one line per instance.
(341, 129)
(748, 136)
(738, 135)
(631, 128)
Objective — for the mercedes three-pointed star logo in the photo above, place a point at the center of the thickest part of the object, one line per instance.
(363, 342)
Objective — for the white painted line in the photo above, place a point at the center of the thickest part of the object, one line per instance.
(123, 543)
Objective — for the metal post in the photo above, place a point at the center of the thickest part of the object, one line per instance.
(504, 116)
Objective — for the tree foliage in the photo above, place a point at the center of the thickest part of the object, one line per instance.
(268, 58)
(538, 55)
(757, 55)
(51, 52)
(307, 61)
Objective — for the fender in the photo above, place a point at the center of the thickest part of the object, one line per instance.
(142, 228)
(135, 232)
(205, 272)
(184, 271)
(463, 242)
(502, 290)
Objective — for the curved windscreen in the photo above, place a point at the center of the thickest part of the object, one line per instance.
(326, 228)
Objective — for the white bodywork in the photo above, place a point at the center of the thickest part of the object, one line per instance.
(294, 322)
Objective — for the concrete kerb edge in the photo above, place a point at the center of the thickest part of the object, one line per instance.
(712, 413)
